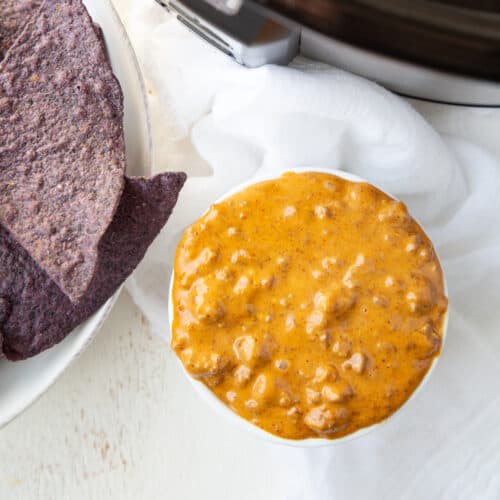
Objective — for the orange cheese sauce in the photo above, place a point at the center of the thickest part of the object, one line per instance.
(312, 306)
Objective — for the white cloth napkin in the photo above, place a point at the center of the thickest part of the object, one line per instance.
(222, 124)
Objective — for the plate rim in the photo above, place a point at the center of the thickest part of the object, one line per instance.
(102, 313)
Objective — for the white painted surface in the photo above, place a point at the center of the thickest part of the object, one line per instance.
(123, 423)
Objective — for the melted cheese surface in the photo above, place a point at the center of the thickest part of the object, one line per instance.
(311, 305)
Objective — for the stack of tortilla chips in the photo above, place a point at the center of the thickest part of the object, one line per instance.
(72, 226)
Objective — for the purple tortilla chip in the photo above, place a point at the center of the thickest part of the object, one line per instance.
(35, 314)
(62, 153)
(14, 14)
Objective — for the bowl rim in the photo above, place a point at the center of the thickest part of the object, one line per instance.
(238, 421)
(99, 317)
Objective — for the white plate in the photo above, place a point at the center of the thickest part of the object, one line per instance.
(232, 417)
(23, 382)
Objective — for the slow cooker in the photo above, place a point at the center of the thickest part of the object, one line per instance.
(445, 51)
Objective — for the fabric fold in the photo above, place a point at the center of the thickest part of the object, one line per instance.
(232, 123)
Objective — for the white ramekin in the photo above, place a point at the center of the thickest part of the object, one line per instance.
(219, 407)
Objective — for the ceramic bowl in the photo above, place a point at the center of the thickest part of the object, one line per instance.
(232, 417)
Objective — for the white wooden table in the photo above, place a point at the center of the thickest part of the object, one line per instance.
(122, 423)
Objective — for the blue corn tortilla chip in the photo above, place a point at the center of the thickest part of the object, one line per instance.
(35, 314)
(62, 152)
(14, 14)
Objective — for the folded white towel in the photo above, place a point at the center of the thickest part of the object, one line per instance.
(222, 124)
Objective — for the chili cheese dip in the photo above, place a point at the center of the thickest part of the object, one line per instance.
(311, 305)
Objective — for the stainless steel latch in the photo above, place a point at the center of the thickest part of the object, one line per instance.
(238, 29)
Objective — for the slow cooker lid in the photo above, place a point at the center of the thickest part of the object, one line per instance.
(461, 36)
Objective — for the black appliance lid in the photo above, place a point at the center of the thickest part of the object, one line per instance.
(461, 36)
